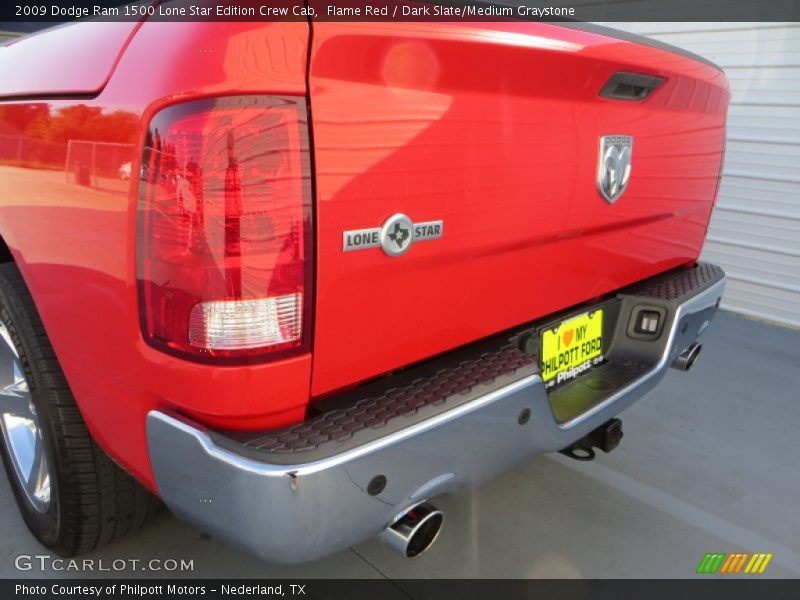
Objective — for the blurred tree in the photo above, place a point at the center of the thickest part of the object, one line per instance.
(75, 122)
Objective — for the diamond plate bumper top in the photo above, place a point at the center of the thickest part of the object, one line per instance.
(300, 493)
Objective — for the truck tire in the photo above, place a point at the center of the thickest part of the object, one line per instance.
(71, 495)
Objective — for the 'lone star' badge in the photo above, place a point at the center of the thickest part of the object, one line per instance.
(395, 237)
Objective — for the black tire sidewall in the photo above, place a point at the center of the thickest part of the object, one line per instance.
(46, 526)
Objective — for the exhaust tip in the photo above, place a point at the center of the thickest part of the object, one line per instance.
(415, 530)
(687, 358)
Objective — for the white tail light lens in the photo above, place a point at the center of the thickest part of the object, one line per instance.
(240, 324)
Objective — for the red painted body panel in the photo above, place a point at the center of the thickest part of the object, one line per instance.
(75, 244)
(493, 130)
(76, 59)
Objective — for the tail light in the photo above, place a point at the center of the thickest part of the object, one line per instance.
(224, 229)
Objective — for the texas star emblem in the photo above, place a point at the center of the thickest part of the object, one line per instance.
(399, 235)
(395, 237)
(614, 165)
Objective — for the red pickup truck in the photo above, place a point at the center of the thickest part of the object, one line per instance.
(298, 279)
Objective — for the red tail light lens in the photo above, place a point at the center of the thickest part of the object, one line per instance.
(224, 248)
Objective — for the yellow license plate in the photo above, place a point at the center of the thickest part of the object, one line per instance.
(572, 347)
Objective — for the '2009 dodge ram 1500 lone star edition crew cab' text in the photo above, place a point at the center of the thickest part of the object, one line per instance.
(299, 279)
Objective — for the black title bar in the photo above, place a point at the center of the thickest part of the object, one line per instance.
(709, 588)
(15, 14)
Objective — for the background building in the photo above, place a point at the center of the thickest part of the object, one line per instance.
(755, 230)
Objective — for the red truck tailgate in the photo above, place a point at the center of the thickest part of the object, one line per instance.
(494, 130)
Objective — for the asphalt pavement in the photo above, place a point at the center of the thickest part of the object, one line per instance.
(708, 464)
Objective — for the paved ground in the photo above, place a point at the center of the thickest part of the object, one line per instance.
(708, 463)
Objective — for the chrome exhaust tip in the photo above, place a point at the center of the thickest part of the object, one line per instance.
(687, 358)
(415, 530)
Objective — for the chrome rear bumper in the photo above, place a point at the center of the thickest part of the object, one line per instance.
(289, 511)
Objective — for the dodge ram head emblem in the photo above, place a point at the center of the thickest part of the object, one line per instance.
(614, 165)
(395, 237)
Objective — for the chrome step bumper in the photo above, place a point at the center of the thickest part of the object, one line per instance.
(290, 502)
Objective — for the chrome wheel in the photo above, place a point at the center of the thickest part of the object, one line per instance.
(22, 434)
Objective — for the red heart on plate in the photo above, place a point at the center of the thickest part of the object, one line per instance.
(567, 336)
